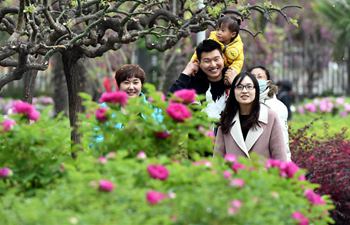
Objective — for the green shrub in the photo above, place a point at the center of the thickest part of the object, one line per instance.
(192, 193)
(146, 126)
(33, 150)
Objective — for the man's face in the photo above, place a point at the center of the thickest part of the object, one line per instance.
(259, 73)
(212, 64)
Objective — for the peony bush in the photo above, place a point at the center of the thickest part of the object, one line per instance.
(175, 128)
(32, 146)
(160, 190)
(335, 106)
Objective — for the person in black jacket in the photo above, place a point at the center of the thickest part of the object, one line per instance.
(207, 71)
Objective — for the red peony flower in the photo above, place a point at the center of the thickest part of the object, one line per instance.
(101, 114)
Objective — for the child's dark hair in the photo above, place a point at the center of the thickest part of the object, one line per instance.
(231, 23)
(129, 71)
(207, 46)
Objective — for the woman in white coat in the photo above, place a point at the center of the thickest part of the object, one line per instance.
(268, 97)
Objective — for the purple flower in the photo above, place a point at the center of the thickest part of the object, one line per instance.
(179, 112)
(7, 124)
(5, 172)
(154, 197)
(105, 186)
(298, 216)
(158, 172)
(314, 198)
(120, 97)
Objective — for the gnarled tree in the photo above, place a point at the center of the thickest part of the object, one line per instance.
(37, 29)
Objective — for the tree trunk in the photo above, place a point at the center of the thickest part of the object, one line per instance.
(75, 76)
(29, 85)
(60, 96)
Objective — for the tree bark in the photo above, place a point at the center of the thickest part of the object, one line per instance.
(75, 76)
(29, 85)
(60, 96)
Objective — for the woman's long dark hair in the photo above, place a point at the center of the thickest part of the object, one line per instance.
(232, 105)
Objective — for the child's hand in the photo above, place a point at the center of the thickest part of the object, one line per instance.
(229, 76)
(191, 68)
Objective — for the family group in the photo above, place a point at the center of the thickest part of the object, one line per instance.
(251, 118)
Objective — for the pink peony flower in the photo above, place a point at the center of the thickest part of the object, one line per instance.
(229, 157)
(237, 166)
(101, 114)
(340, 100)
(311, 107)
(313, 198)
(34, 115)
(185, 96)
(105, 185)
(202, 163)
(235, 205)
(102, 160)
(237, 183)
(120, 97)
(111, 155)
(347, 107)
(298, 216)
(26, 109)
(301, 110)
(162, 134)
(291, 169)
(5, 172)
(158, 172)
(343, 114)
(179, 112)
(7, 124)
(141, 155)
(154, 197)
(227, 174)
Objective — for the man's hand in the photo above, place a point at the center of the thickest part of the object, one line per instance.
(191, 68)
(229, 76)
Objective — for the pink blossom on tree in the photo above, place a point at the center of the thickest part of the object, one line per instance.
(101, 114)
(298, 216)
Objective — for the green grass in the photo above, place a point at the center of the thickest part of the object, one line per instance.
(324, 125)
